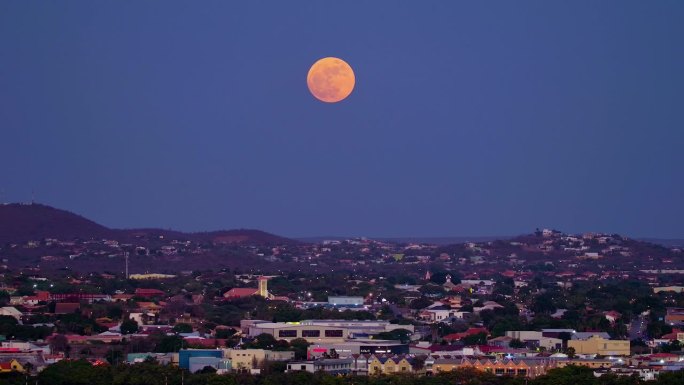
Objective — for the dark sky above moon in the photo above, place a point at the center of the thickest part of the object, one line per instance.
(467, 118)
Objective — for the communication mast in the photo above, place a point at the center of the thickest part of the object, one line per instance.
(126, 258)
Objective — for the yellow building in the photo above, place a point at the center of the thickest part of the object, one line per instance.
(389, 365)
(11, 366)
(246, 359)
(601, 346)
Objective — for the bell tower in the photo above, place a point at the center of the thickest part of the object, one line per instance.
(263, 287)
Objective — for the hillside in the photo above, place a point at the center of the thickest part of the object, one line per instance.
(25, 222)
(20, 223)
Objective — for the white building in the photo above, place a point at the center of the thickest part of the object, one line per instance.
(11, 311)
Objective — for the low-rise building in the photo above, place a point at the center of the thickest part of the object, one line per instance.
(323, 331)
(328, 365)
(357, 346)
(185, 356)
(601, 346)
(248, 359)
(528, 367)
(11, 366)
(390, 365)
(674, 315)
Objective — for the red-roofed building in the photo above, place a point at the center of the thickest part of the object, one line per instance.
(11, 366)
(672, 336)
(664, 357)
(148, 293)
(205, 342)
(469, 332)
(240, 292)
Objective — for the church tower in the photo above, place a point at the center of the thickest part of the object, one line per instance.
(263, 287)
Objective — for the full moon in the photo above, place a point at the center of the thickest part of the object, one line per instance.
(330, 79)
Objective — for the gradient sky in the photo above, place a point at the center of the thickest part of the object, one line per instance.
(468, 118)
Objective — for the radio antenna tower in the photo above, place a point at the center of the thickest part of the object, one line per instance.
(126, 258)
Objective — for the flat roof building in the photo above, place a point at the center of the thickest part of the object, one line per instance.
(317, 331)
(352, 347)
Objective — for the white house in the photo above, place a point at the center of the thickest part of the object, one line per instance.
(11, 311)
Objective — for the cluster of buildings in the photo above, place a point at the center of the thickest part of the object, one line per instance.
(365, 347)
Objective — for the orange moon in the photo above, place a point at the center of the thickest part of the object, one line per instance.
(330, 79)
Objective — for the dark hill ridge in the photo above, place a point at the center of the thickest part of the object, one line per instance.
(25, 222)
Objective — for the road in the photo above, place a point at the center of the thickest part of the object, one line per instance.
(637, 328)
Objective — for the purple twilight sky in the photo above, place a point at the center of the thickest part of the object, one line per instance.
(468, 118)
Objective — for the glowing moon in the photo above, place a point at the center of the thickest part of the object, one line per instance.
(330, 79)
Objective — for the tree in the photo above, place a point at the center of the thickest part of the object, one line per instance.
(129, 326)
(263, 341)
(543, 304)
(169, 344)
(4, 297)
(658, 328)
(570, 352)
(396, 334)
(182, 328)
(418, 363)
(300, 347)
(420, 303)
(79, 372)
(569, 375)
(475, 339)
(59, 343)
(223, 333)
(207, 369)
(115, 356)
(671, 378)
(28, 367)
